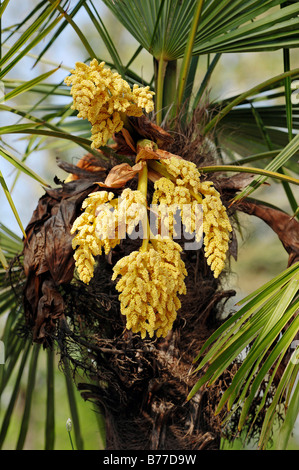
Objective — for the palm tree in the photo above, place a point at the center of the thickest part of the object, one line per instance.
(203, 378)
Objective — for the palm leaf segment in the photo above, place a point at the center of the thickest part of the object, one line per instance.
(225, 26)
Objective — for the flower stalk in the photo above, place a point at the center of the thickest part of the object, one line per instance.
(162, 64)
(142, 187)
(188, 54)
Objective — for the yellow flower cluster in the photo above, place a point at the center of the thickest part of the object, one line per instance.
(188, 189)
(169, 198)
(121, 216)
(216, 226)
(101, 95)
(131, 209)
(101, 226)
(104, 128)
(86, 242)
(186, 173)
(150, 282)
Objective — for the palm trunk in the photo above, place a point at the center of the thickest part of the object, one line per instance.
(141, 386)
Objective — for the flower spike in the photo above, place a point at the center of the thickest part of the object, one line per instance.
(104, 98)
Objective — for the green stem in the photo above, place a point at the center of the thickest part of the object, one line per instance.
(142, 187)
(73, 404)
(92, 54)
(190, 82)
(288, 93)
(11, 203)
(245, 95)
(3, 259)
(170, 84)
(13, 350)
(15, 393)
(188, 54)
(29, 396)
(142, 181)
(289, 193)
(245, 169)
(259, 156)
(71, 441)
(50, 416)
(289, 113)
(162, 64)
(156, 166)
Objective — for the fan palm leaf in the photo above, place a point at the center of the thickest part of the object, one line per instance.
(224, 26)
(258, 325)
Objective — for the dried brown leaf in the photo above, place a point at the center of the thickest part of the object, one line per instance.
(236, 182)
(149, 130)
(153, 175)
(48, 255)
(87, 166)
(163, 154)
(142, 128)
(128, 139)
(119, 175)
(147, 154)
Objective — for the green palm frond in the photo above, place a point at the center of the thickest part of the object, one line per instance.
(266, 326)
(163, 26)
(278, 162)
(20, 355)
(16, 52)
(240, 126)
